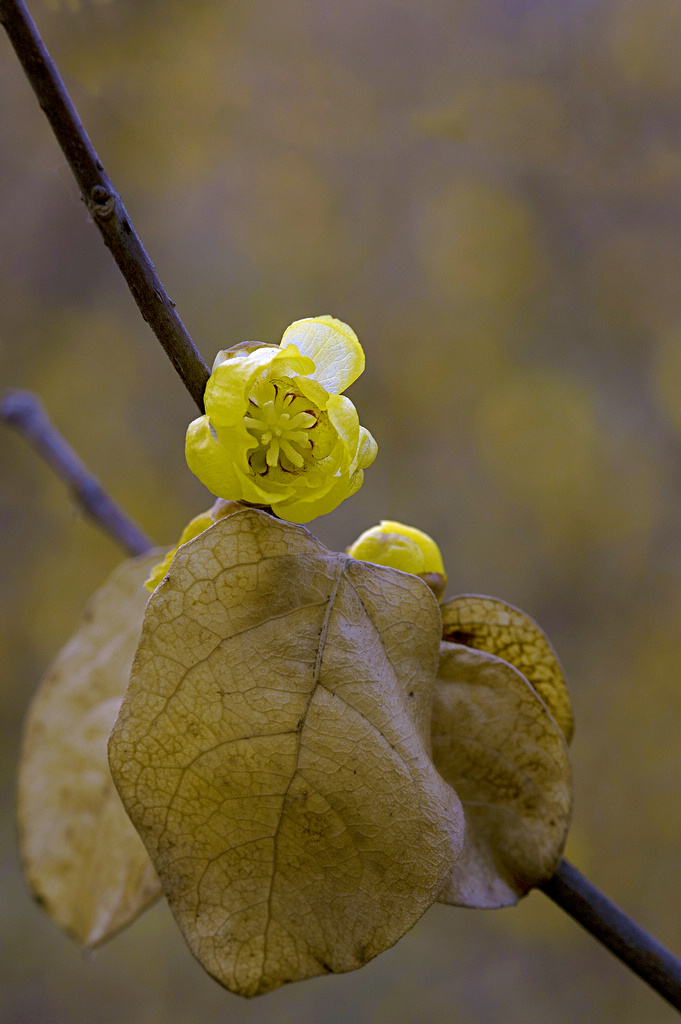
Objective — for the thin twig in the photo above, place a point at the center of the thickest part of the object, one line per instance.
(616, 930)
(24, 411)
(102, 200)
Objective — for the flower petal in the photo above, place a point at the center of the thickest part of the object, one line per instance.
(367, 449)
(226, 395)
(334, 348)
(209, 461)
(431, 552)
(289, 361)
(344, 418)
(262, 490)
(392, 549)
(302, 511)
(312, 390)
(238, 351)
(228, 388)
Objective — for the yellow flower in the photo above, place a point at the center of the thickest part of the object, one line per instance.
(277, 430)
(193, 528)
(402, 547)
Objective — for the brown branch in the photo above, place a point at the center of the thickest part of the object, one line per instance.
(24, 411)
(102, 200)
(616, 930)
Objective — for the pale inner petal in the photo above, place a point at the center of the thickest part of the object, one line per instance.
(333, 347)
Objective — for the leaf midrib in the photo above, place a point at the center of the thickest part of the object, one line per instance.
(341, 561)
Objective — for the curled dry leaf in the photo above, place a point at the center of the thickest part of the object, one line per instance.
(498, 628)
(83, 859)
(496, 744)
(273, 749)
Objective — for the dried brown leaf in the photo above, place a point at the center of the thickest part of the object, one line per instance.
(496, 744)
(498, 628)
(83, 859)
(273, 750)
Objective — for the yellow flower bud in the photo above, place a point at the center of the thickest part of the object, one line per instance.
(402, 547)
(277, 430)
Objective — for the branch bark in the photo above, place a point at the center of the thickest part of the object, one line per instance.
(23, 411)
(616, 930)
(103, 202)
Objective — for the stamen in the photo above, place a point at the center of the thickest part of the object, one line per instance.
(282, 437)
(295, 457)
(302, 420)
(253, 423)
(273, 453)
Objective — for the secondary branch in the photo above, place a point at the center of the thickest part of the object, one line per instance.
(616, 930)
(102, 200)
(23, 411)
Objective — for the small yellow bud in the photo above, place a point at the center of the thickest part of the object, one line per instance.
(402, 547)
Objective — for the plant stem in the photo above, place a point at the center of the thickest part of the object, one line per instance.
(24, 411)
(102, 200)
(616, 930)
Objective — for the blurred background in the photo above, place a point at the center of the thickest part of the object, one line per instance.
(489, 192)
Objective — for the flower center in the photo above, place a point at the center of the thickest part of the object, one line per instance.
(280, 423)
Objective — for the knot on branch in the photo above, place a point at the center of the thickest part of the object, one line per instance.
(102, 202)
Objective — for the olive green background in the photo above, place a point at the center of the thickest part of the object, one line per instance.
(489, 192)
